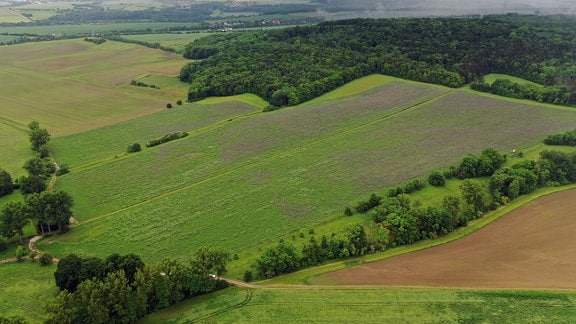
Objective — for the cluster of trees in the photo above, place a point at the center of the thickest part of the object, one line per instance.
(50, 210)
(567, 138)
(143, 84)
(122, 289)
(166, 138)
(317, 59)
(95, 40)
(285, 257)
(557, 95)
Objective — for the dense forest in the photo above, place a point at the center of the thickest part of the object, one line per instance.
(447, 51)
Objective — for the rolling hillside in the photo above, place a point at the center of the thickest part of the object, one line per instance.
(261, 177)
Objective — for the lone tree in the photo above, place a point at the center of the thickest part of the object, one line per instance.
(13, 219)
(39, 137)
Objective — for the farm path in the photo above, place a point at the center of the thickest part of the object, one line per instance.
(279, 155)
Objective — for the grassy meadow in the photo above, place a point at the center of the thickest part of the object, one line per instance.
(254, 180)
(79, 85)
(371, 305)
(24, 288)
(7, 15)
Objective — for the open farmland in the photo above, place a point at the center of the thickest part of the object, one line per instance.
(79, 85)
(8, 15)
(257, 179)
(531, 247)
(370, 305)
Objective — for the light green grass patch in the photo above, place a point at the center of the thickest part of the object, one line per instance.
(106, 144)
(490, 78)
(372, 305)
(249, 99)
(28, 286)
(7, 15)
(15, 149)
(80, 86)
(354, 87)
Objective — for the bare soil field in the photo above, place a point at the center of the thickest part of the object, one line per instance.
(531, 247)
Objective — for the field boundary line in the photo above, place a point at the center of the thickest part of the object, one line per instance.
(277, 155)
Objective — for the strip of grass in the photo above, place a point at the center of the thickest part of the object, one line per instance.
(490, 78)
(353, 88)
(15, 149)
(373, 305)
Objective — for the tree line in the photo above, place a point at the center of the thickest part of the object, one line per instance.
(557, 95)
(123, 289)
(50, 210)
(317, 59)
(397, 220)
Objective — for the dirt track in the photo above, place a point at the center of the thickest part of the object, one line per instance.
(532, 247)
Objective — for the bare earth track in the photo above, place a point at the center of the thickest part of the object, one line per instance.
(531, 247)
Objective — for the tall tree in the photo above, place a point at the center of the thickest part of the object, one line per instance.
(13, 218)
(6, 185)
(38, 136)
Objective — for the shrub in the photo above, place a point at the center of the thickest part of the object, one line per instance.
(134, 148)
(247, 275)
(179, 102)
(166, 138)
(437, 178)
(348, 211)
(168, 105)
(20, 253)
(45, 259)
(63, 170)
(3, 246)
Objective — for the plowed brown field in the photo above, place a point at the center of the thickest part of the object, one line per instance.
(534, 246)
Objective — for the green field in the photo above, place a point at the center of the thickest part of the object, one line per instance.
(256, 179)
(79, 85)
(8, 15)
(372, 306)
(24, 288)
